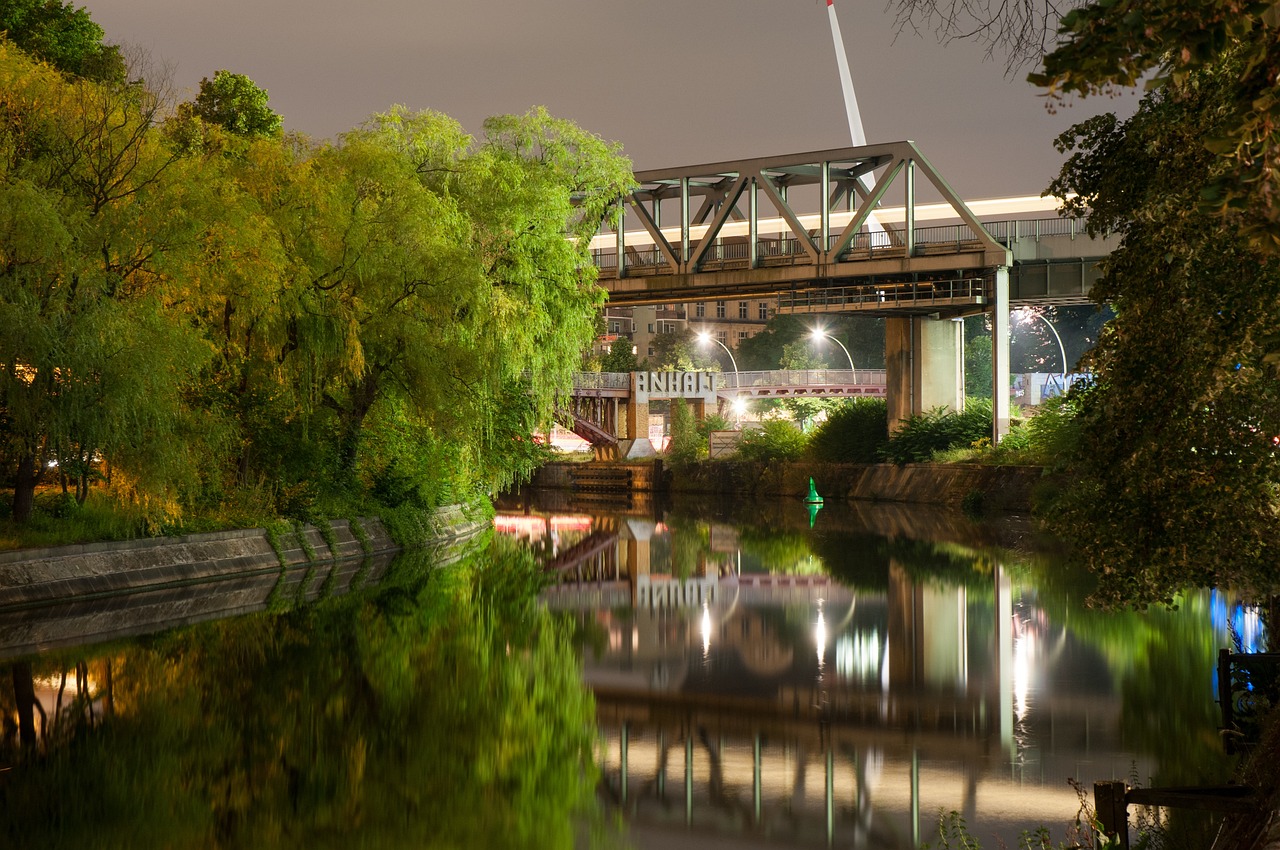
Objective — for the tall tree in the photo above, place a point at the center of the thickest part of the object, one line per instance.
(96, 245)
(237, 104)
(1177, 468)
(62, 35)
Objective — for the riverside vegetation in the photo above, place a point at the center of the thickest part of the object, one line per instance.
(207, 321)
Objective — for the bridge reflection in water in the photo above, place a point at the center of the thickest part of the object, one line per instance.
(740, 689)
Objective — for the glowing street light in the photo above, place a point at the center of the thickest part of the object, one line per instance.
(818, 335)
(1024, 314)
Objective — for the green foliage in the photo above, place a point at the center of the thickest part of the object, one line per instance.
(687, 444)
(977, 362)
(1173, 47)
(236, 103)
(776, 439)
(921, 435)
(291, 328)
(329, 727)
(855, 431)
(1175, 466)
(863, 337)
(713, 422)
(62, 35)
(621, 357)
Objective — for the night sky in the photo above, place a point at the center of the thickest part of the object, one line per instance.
(677, 82)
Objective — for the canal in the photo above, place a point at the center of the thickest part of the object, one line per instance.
(619, 674)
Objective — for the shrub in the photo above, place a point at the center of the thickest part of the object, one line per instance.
(687, 445)
(777, 440)
(938, 430)
(1053, 434)
(855, 432)
(713, 422)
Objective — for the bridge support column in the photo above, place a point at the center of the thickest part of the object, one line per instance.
(637, 443)
(1000, 357)
(924, 362)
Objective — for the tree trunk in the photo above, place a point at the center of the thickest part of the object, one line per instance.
(363, 395)
(24, 488)
(24, 692)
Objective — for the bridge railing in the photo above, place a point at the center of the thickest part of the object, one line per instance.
(602, 380)
(733, 252)
(887, 293)
(799, 378)
(729, 381)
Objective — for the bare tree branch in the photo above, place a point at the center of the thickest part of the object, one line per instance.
(1019, 31)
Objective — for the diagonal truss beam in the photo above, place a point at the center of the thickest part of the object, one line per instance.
(667, 249)
(715, 190)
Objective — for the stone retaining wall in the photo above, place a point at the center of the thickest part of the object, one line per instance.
(1006, 489)
(31, 577)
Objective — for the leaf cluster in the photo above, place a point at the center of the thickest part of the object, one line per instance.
(855, 431)
(1178, 45)
(775, 439)
(1176, 458)
(922, 435)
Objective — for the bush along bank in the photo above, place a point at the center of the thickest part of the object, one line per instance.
(977, 488)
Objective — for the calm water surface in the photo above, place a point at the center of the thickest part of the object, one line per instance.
(718, 678)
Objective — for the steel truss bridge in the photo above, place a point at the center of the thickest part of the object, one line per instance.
(824, 239)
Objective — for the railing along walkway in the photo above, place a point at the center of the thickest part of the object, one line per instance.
(774, 383)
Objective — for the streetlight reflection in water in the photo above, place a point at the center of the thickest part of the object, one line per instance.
(942, 676)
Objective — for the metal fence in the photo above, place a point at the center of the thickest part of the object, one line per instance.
(734, 252)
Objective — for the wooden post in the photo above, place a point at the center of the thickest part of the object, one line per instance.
(1225, 702)
(1113, 810)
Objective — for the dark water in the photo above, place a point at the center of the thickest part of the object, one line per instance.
(716, 678)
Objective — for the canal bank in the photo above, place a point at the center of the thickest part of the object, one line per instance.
(107, 590)
(988, 489)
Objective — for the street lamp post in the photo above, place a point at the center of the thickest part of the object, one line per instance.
(705, 337)
(818, 334)
(1023, 313)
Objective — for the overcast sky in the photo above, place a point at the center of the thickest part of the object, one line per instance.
(677, 82)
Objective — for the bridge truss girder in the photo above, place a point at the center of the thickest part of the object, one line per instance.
(688, 262)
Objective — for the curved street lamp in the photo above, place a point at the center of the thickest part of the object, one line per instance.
(705, 337)
(1023, 313)
(818, 335)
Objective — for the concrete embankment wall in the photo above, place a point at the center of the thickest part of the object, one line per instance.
(78, 595)
(996, 488)
(35, 576)
(1007, 489)
(646, 476)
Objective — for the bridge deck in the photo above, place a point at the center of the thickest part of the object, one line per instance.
(829, 243)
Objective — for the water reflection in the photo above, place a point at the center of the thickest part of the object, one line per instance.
(442, 709)
(751, 677)
(839, 686)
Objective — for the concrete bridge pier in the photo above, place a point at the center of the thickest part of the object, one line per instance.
(924, 361)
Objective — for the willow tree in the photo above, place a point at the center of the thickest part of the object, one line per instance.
(95, 245)
(443, 271)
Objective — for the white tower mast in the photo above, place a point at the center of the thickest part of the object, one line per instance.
(856, 133)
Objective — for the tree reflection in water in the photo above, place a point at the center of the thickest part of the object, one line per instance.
(445, 709)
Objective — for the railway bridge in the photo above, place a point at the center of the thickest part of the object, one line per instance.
(816, 231)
